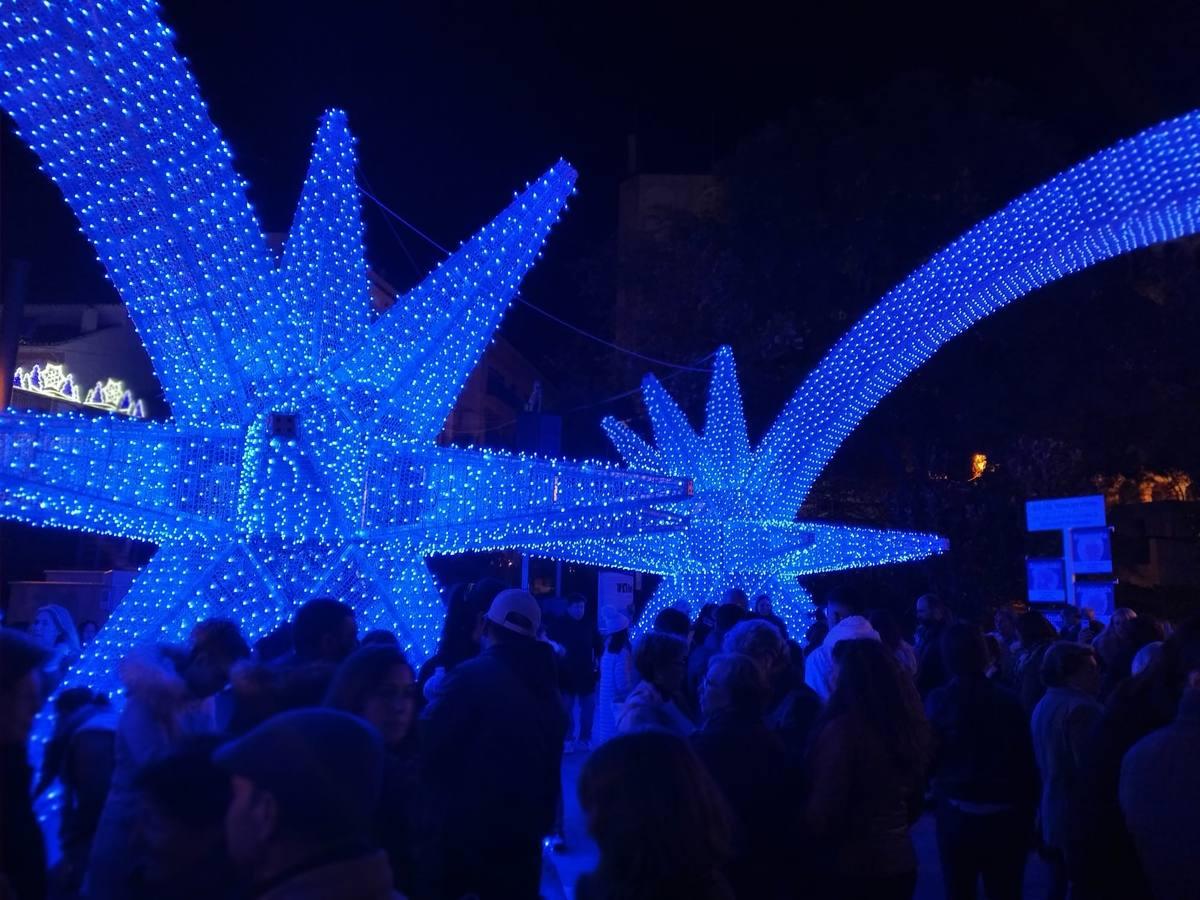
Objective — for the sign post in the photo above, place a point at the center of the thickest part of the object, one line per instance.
(1086, 547)
(615, 589)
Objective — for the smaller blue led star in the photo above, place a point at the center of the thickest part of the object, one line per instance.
(721, 539)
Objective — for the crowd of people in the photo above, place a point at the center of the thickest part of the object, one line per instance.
(725, 757)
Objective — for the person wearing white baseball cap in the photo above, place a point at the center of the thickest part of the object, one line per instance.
(517, 611)
(492, 743)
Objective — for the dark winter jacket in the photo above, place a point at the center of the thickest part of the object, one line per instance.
(749, 765)
(931, 667)
(364, 876)
(698, 664)
(860, 806)
(689, 886)
(984, 751)
(794, 710)
(491, 745)
(1030, 686)
(397, 821)
(85, 771)
(22, 847)
(581, 641)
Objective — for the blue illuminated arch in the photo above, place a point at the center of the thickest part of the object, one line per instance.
(1141, 191)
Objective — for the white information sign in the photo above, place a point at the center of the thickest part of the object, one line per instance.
(615, 589)
(1064, 513)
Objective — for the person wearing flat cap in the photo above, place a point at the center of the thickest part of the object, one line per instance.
(305, 788)
(491, 747)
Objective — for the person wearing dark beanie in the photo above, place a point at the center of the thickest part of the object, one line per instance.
(22, 847)
(305, 786)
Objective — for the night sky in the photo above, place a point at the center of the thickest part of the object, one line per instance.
(457, 104)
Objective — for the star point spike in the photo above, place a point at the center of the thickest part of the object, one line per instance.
(726, 438)
(148, 481)
(324, 270)
(435, 334)
(677, 442)
(130, 145)
(636, 453)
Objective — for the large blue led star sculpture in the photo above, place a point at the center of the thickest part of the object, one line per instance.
(300, 459)
(742, 529)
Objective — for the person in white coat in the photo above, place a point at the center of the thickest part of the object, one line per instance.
(846, 623)
(617, 675)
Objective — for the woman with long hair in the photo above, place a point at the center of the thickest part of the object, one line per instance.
(461, 633)
(617, 674)
(658, 819)
(376, 683)
(865, 773)
(54, 629)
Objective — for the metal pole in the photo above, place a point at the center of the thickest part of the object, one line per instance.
(16, 278)
(1069, 566)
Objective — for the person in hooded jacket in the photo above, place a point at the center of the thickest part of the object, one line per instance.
(491, 751)
(843, 613)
